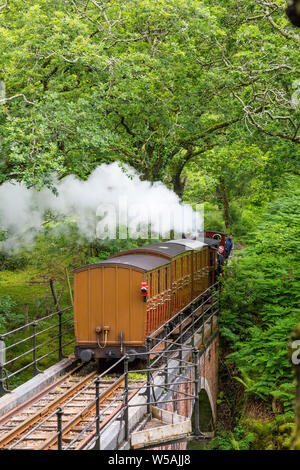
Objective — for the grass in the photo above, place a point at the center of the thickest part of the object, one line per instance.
(32, 301)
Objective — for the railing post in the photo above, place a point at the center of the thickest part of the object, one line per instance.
(193, 324)
(60, 353)
(203, 319)
(203, 329)
(165, 353)
(35, 368)
(59, 415)
(126, 422)
(2, 364)
(196, 410)
(2, 389)
(97, 443)
(148, 345)
(180, 342)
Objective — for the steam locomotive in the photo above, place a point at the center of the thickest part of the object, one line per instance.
(120, 301)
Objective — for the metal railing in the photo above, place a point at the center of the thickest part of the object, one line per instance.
(169, 362)
(30, 337)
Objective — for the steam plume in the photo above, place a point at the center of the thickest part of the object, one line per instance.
(109, 197)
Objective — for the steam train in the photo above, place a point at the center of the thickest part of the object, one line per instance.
(120, 301)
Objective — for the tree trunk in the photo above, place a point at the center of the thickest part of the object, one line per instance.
(225, 201)
(178, 183)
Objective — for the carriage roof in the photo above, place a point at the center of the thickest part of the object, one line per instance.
(148, 257)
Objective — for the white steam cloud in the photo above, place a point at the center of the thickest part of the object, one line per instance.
(109, 198)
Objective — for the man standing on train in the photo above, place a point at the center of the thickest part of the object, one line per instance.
(220, 261)
(228, 245)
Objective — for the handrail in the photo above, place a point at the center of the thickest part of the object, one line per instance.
(30, 356)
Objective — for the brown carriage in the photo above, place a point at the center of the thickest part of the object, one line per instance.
(121, 300)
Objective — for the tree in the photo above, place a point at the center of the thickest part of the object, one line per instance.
(90, 82)
(236, 171)
(261, 51)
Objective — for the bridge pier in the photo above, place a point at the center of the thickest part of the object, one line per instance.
(207, 387)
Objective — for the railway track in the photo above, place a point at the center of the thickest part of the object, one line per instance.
(64, 414)
(69, 406)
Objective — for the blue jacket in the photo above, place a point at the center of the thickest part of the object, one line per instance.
(228, 246)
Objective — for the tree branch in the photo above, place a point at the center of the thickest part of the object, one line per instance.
(4, 100)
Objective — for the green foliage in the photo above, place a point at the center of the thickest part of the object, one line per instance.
(233, 177)
(13, 262)
(60, 246)
(199, 94)
(256, 434)
(7, 315)
(111, 83)
(155, 84)
(239, 440)
(190, 92)
(260, 308)
(213, 218)
(262, 292)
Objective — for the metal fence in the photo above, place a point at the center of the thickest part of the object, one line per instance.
(172, 360)
(31, 337)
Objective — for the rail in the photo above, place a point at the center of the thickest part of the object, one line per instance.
(31, 334)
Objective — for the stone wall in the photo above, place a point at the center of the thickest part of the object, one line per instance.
(208, 380)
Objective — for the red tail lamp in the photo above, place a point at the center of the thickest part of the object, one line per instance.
(144, 290)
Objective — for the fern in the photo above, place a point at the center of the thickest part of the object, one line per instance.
(260, 308)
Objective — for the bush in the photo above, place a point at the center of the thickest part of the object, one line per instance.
(7, 314)
(260, 308)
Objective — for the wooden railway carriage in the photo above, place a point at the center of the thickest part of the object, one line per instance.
(112, 317)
